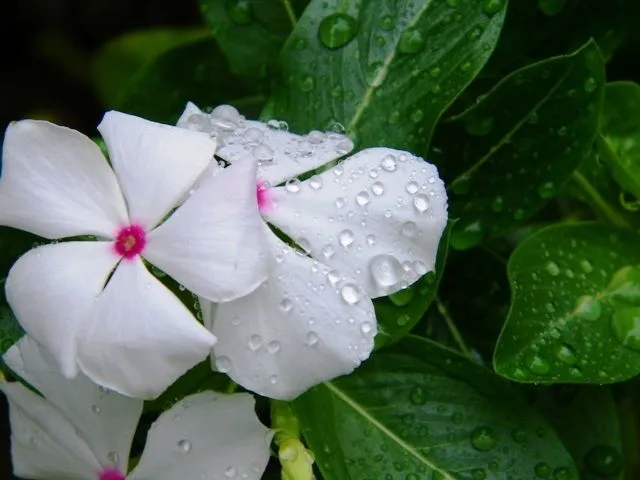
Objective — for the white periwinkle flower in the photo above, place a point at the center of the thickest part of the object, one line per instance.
(79, 431)
(93, 304)
(370, 226)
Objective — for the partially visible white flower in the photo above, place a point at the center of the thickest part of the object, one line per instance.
(93, 304)
(370, 226)
(79, 431)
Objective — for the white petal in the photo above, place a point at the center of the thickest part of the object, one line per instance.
(44, 445)
(378, 218)
(294, 331)
(207, 435)
(213, 243)
(52, 288)
(56, 183)
(282, 155)
(139, 338)
(104, 419)
(156, 164)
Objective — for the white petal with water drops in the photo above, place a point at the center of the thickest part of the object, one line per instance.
(322, 324)
(282, 155)
(368, 223)
(206, 435)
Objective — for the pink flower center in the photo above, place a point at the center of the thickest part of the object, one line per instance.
(111, 474)
(130, 241)
(263, 195)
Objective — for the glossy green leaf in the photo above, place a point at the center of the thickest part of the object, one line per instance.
(418, 410)
(194, 72)
(505, 157)
(398, 314)
(586, 421)
(573, 312)
(10, 329)
(620, 126)
(118, 61)
(251, 33)
(383, 70)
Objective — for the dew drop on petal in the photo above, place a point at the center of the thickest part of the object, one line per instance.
(96, 409)
(412, 187)
(346, 238)
(350, 293)
(409, 229)
(340, 202)
(223, 364)
(293, 185)
(386, 270)
(366, 328)
(371, 239)
(263, 153)
(362, 198)
(389, 163)
(230, 472)
(184, 446)
(312, 338)
(315, 182)
(421, 203)
(377, 188)
(334, 277)
(274, 346)
(328, 251)
(286, 305)
(253, 135)
(255, 342)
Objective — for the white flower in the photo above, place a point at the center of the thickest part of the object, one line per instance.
(371, 226)
(93, 304)
(79, 431)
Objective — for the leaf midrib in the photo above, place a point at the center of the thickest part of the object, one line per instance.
(361, 410)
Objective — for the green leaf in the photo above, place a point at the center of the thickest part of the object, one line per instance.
(586, 421)
(194, 72)
(418, 410)
(620, 126)
(398, 314)
(251, 33)
(573, 311)
(118, 61)
(383, 70)
(10, 329)
(505, 157)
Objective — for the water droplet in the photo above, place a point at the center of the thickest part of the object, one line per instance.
(590, 85)
(588, 308)
(350, 293)
(292, 186)
(411, 41)
(362, 198)
(402, 297)
(519, 435)
(328, 251)
(418, 395)
(286, 304)
(307, 84)
(371, 239)
(337, 30)
(340, 202)
(467, 236)
(113, 457)
(421, 202)
(603, 461)
(491, 7)
(316, 182)
(239, 11)
(412, 187)
(263, 153)
(346, 238)
(255, 342)
(547, 190)
(483, 439)
(274, 346)
(389, 163)
(435, 72)
(542, 470)
(253, 135)
(552, 269)
(184, 445)
(366, 328)
(625, 325)
(409, 229)
(563, 473)
(537, 365)
(566, 354)
(386, 270)
(96, 409)
(377, 188)
(230, 472)
(223, 364)
(312, 338)
(586, 266)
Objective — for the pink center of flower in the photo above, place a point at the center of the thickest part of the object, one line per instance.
(130, 241)
(263, 195)
(111, 474)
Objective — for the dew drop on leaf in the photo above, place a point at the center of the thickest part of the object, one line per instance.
(483, 439)
(537, 365)
(402, 297)
(603, 461)
(563, 473)
(546, 190)
(590, 85)
(625, 325)
(239, 11)
(566, 354)
(418, 395)
(542, 470)
(491, 7)
(552, 269)
(337, 30)
(588, 308)
(411, 41)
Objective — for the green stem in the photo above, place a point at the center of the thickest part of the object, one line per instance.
(290, 13)
(455, 333)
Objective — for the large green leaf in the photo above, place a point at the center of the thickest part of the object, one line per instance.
(196, 71)
(620, 126)
(251, 33)
(398, 314)
(575, 311)
(586, 421)
(508, 154)
(118, 61)
(418, 410)
(383, 70)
